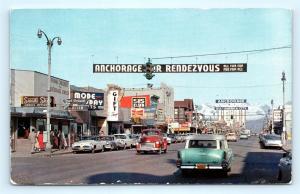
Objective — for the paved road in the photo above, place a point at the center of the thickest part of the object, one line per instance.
(251, 165)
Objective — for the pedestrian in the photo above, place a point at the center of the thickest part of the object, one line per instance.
(40, 137)
(63, 140)
(33, 137)
(52, 138)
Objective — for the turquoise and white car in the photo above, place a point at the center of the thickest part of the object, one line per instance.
(205, 153)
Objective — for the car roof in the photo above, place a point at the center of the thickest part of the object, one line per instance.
(206, 137)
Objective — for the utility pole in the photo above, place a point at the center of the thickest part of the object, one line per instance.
(272, 104)
(197, 124)
(283, 135)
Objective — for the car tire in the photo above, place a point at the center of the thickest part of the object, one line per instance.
(224, 174)
(184, 172)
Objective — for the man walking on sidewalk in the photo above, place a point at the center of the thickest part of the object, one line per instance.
(33, 137)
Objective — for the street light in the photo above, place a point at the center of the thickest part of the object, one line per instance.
(49, 46)
(283, 79)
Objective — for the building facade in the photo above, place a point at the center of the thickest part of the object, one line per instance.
(28, 102)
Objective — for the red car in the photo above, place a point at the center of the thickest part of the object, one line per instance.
(152, 140)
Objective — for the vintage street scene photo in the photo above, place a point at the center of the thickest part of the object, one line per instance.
(151, 96)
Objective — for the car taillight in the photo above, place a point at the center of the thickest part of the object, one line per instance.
(178, 163)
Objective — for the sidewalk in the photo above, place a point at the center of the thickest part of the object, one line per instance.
(46, 153)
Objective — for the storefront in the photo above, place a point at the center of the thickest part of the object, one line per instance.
(25, 119)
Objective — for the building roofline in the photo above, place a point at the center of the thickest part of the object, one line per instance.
(38, 73)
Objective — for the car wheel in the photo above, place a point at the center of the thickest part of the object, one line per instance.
(184, 172)
(224, 173)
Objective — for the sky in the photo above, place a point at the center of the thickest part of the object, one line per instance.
(133, 35)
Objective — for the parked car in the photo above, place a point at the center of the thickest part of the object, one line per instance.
(205, 152)
(88, 144)
(135, 138)
(231, 137)
(271, 140)
(244, 136)
(168, 139)
(125, 140)
(152, 140)
(110, 142)
(180, 138)
(285, 168)
(261, 137)
(173, 138)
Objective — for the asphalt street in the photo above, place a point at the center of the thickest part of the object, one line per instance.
(251, 165)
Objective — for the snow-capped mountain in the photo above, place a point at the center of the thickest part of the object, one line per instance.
(254, 112)
(255, 118)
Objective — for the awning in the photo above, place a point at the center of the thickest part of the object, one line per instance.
(39, 112)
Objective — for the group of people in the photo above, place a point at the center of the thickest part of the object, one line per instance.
(57, 140)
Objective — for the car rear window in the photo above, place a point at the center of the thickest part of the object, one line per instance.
(202, 144)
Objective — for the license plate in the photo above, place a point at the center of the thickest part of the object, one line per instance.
(200, 166)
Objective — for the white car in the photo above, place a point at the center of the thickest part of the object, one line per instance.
(272, 140)
(169, 140)
(88, 144)
(231, 137)
(124, 139)
(244, 136)
(285, 166)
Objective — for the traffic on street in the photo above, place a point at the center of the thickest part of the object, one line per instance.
(251, 165)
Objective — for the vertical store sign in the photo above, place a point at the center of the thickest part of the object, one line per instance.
(113, 105)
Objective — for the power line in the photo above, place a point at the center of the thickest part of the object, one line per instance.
(225, 53)
(212, 87)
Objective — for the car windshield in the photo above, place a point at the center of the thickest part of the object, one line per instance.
(120, 136)
(88, 138)
(272, 137)
(202, 144)
(150, 133)
(105, 138)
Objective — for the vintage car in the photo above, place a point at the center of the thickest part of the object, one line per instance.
(88, 144)
(152, 140)
(110, 142)
(231, 137)
(125, 140)
(244, 136)
(205, 152)
(271, 140)
(168, 139)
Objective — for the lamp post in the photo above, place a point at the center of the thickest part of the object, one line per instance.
(272, 103)
(283, 79)
(49, 47)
